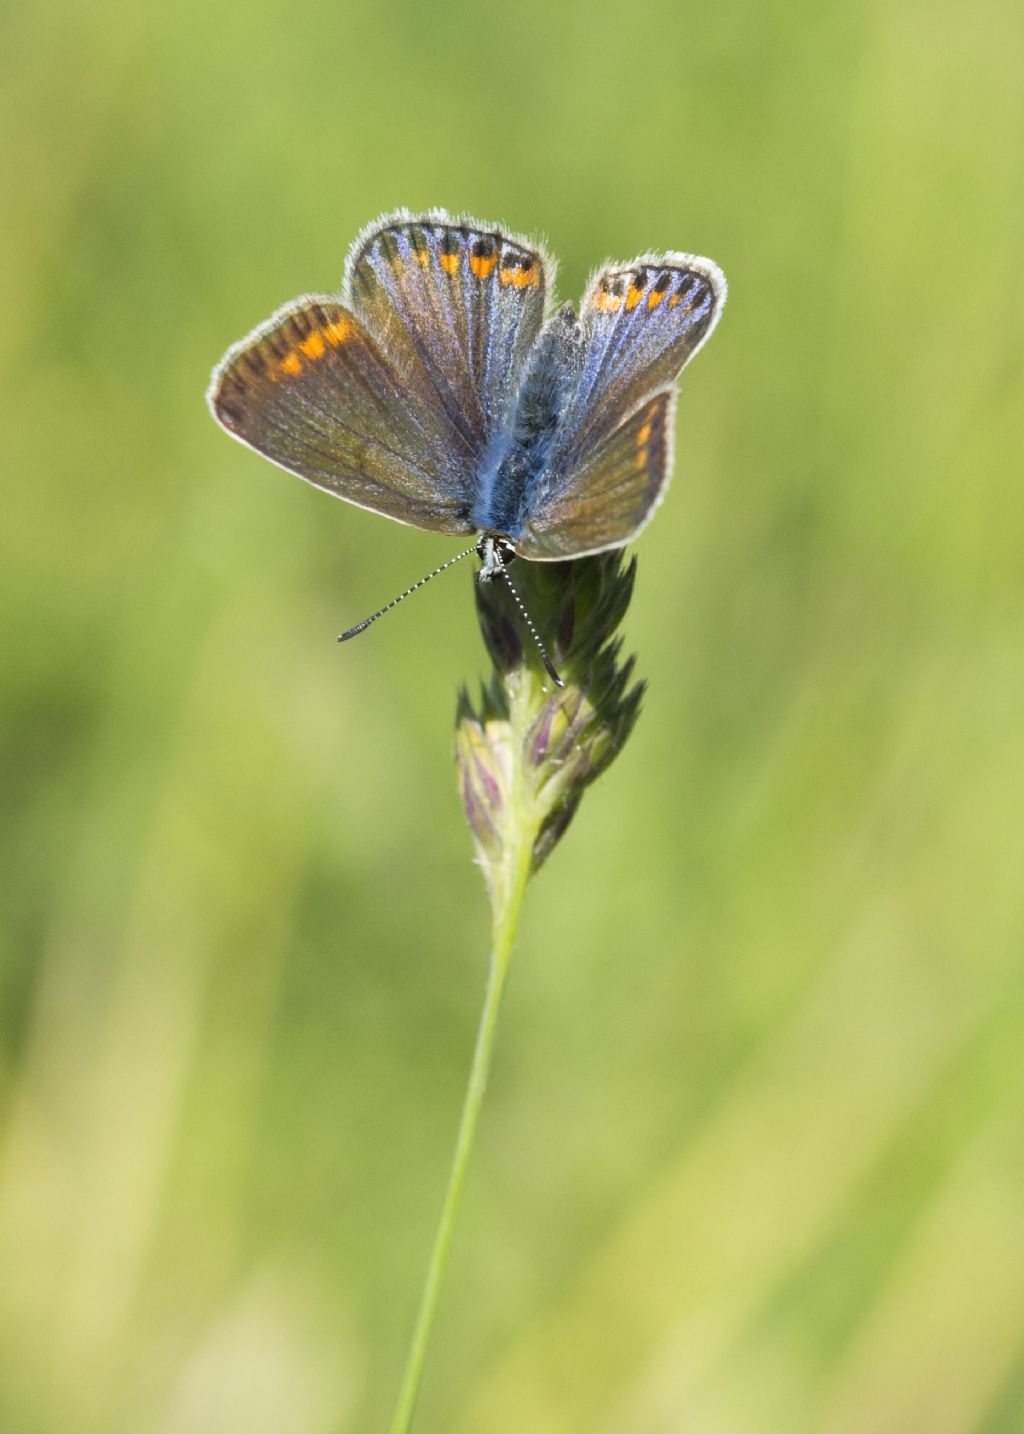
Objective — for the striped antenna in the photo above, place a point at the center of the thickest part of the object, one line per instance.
(549, 666)
(362, 626)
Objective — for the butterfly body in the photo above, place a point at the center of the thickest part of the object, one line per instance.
(439, 392)
(509, 484)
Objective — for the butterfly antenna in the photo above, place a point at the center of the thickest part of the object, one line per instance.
(549, 666)
(362, 626)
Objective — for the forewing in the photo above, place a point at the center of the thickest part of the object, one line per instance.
(463, 299)
(609, 497)
(312, 390)
(641, 323)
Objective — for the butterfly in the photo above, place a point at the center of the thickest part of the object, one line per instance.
(442, 389)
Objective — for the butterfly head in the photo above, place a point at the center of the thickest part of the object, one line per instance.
(495, 553)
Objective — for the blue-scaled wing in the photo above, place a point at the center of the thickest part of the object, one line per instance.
(611, 461)
(390, 398)
(313, 391)
(459, 303)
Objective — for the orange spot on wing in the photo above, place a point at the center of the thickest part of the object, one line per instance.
(633, 297)
(450, 262)
(483, 265)
(520, 272)
(422, 257)
(643, 438)
(606, 303)
(338, 333)
(675, 299)
(292, 364)
(314, 346)
(654, 298)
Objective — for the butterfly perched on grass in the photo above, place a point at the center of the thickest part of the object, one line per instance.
(442, 390)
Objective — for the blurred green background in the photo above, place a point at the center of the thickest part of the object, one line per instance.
(753, 1155)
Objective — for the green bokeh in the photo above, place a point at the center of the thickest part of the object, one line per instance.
(753, 1158)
